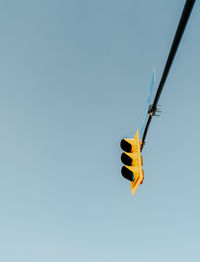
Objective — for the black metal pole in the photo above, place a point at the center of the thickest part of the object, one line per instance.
(177, 38)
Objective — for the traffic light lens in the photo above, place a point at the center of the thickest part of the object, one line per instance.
(125, 146)
(126, 160)
(128, 174)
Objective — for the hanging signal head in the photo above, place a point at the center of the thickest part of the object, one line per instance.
(132, 160)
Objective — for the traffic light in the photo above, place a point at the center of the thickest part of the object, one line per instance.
(132, 160)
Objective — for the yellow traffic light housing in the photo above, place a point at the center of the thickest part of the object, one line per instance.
(132, 160)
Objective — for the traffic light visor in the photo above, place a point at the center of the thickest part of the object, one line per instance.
(127, 173)
(126, 159)
(126, 145)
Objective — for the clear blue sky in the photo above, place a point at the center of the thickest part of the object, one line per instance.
(74, 80)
